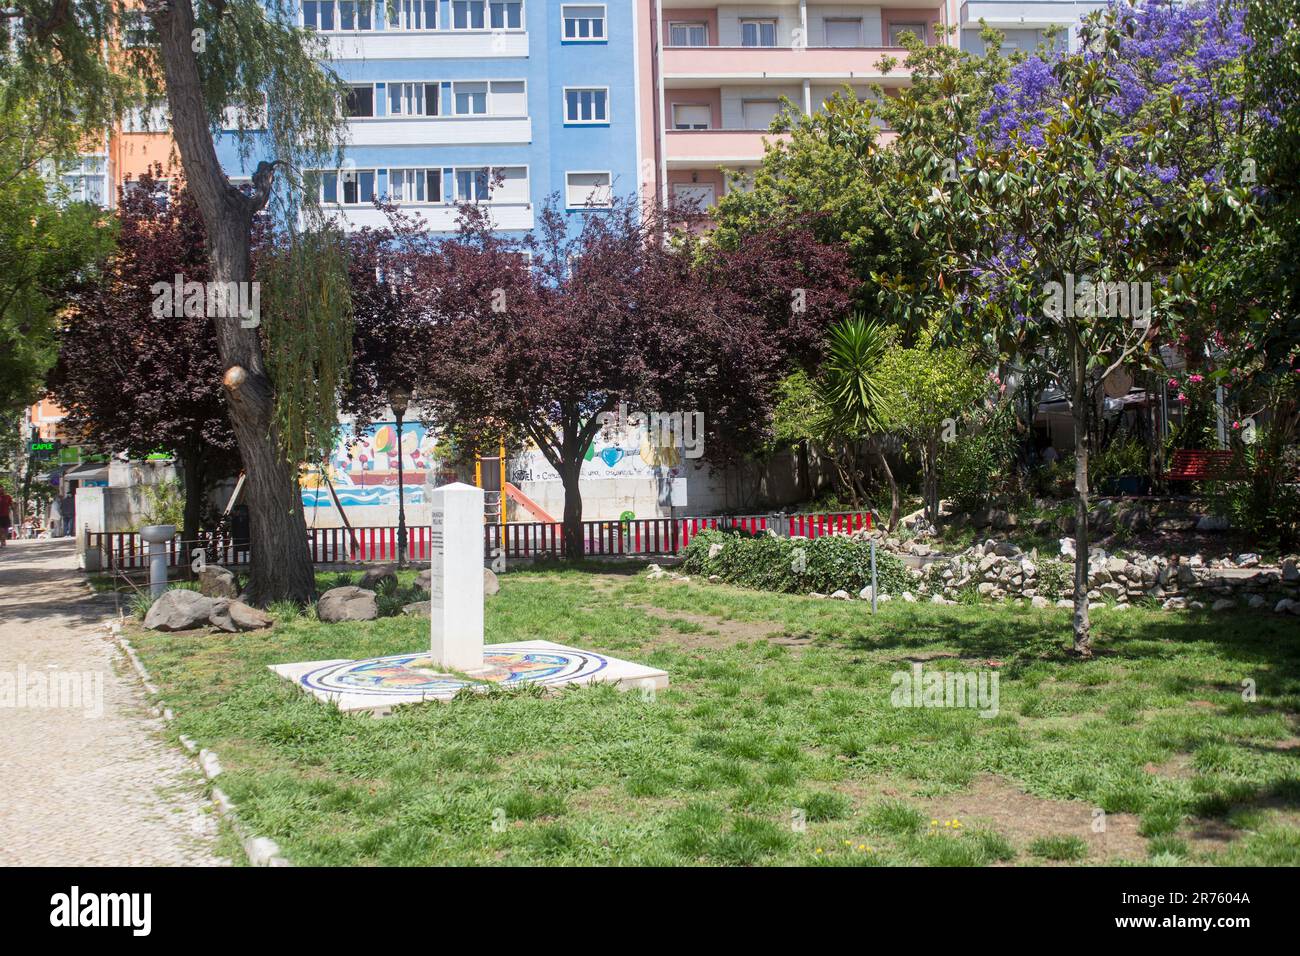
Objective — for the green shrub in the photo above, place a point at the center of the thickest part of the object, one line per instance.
(976, 469)
(1055, 579)
(1122, 458)
(793, 566)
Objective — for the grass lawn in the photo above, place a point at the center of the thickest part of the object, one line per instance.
(779, 711)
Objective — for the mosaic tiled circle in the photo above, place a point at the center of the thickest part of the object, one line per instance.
(418, 675)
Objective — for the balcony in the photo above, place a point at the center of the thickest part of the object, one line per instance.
(1016, 14)
(684, 66)
(709, 148)
(687, 148)
(440, 130)
(428, 45)
(438, 217)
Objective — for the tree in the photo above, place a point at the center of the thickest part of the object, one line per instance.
(134, 377)
(45, 248)
(248, 56)
(849, 389)
(1066, 220)
(538, 339)
(927, 389)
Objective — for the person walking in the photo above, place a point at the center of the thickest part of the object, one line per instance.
(69, 504)
(6, 515)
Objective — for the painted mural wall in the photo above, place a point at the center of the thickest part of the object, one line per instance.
(364, 470)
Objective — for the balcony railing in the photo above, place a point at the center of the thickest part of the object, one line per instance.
(748, 62)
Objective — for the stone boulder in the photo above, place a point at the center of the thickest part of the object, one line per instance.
(424, 579)
(349, 603)
(179, 610)
(417, 608)
(376, 577)
(217, 582)
(490, 583)
(235, 616)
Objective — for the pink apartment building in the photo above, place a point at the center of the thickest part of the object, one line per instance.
(718, 74)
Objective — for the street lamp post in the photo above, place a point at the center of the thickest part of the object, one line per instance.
(399, 398)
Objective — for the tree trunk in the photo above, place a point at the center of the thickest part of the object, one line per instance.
(893, 483)
(570, 475)
(931, 480)
(1079, 412)
(280, 566)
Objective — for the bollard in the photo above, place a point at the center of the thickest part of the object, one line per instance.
(158, 537)
(873, 575)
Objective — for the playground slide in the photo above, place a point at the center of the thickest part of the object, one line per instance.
(532, 507)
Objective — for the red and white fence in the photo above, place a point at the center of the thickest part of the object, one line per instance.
(526, 539)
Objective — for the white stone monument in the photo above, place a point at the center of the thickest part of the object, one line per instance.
(456, 581)
(457, 659)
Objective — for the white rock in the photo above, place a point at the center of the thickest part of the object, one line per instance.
(1067, 549)
(865, 593)
(1284, 605)
(1248, 560)
(841, 595)
(1223, 604)
(909, 597)
(1039, 601)
(1256, 601)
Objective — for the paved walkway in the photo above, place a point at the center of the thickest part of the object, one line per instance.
(90, 781)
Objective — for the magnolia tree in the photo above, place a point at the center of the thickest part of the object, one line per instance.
(1065, 221)
(542, 339)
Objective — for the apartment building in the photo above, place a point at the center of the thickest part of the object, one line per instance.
(499, 102)
(724, 71)
(508, 102)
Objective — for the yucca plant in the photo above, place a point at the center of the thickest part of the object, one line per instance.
(854, 404)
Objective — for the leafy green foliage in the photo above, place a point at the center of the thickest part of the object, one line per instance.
(794, 566)
(307, 305)
(1054, 579)
(975, 468)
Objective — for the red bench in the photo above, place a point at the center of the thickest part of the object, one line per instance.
(1194, 464)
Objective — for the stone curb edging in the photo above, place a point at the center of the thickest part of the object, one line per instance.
(261, 851)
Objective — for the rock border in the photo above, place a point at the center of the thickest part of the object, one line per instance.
(260, 850)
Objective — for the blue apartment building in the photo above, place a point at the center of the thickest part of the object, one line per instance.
(504, 102)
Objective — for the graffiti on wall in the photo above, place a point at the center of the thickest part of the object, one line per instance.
(364, 470)
(620, 452)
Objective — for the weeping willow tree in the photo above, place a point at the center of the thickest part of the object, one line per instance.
(203, 58)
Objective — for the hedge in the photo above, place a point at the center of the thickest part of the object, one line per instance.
(794, 566)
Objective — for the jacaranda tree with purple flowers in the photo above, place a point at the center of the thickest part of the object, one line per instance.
(1065, 221)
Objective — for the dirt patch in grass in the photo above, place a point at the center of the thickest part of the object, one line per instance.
(1022, 818)
(705, 632)
(1177, 767)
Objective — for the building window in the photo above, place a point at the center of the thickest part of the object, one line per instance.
(759, 114)
(415, 185)
(508, 98)
(843, 32)
(588, 190)
(505, 14)
(338, 15)
(586, 106)
(896, 31)
(691, 116)
(583, 23)
(470, 99)
(468, 14)
(359, 101)
(688, 34)
(758, 33)
(137, 31)
(85, 179)
(416, 15)
(473, 185)
(412, 99)
(357, 186)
